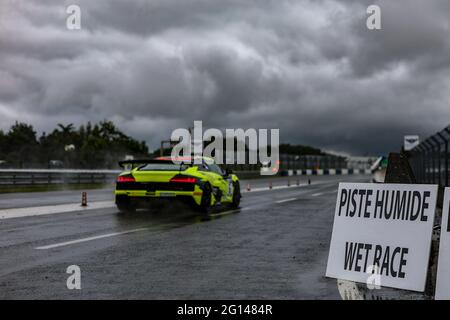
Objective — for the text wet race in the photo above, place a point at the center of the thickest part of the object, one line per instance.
(390, 261)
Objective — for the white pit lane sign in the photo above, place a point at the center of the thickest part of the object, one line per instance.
(443, 271)
(384, 229)
(410, 142)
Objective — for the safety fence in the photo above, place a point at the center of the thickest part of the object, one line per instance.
(430, 159)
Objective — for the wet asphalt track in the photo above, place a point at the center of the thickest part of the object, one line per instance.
(275, 247)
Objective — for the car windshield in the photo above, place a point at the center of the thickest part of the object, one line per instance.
(163, 167)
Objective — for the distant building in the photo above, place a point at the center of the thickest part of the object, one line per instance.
(361, 163)
(327, 161)
(289, 161)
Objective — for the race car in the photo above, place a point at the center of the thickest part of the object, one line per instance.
(160, 181)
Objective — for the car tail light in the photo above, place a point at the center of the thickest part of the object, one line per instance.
(127, 178)
(183, 179)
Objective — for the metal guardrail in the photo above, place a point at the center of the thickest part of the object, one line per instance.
(24, 177)
(430, 159)
(35, 177)
(39, 177)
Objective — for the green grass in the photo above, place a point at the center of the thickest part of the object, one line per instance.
(60, 187)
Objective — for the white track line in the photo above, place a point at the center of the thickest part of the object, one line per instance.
(59, 208)
(293, 185)
(317, 194)
(108, 235)
(67, 243)
(225, 213)
(274, 188)
(286, 200)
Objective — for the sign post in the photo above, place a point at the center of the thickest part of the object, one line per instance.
(384, 231)
(443, 270)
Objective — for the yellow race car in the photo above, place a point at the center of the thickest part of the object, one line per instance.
(160, 181)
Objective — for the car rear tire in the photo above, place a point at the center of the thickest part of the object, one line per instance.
(124, 205)
(236, 195)
(205, 203)
(126, 208)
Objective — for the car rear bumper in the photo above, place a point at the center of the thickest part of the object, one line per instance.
(144, 198)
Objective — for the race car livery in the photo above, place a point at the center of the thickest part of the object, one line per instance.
(147, 183)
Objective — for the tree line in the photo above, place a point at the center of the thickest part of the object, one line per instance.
(90, 146)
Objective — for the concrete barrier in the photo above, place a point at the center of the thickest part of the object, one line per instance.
(324, 172)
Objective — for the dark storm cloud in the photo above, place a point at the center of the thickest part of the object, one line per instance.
(310, 68)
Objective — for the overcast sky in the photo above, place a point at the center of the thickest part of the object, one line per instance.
(310, 68)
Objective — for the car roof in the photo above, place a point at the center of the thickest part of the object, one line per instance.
(208, 160)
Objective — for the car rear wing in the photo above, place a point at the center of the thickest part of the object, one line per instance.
(141, 162)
